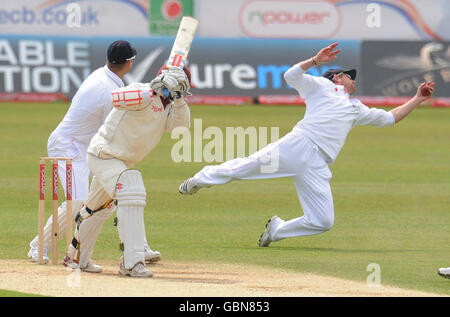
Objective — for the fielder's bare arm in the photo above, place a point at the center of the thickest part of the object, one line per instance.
(306, 152)
(132, 129)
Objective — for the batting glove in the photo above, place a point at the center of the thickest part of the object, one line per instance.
(164, 81)
(180, 76)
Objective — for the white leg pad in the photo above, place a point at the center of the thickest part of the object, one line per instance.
(62, 210)
(87, 234)
(131, 199)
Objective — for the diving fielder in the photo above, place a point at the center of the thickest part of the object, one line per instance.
(88, 110)
(305, 153)
(132, 129)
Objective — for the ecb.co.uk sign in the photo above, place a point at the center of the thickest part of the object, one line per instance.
(290, 19)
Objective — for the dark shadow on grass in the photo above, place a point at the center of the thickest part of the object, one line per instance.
(312, 249)
(309, 249)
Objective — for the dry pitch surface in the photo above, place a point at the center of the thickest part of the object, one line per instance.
(175, 279)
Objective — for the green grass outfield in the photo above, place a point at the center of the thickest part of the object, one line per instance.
(5, 293)
(391, 190)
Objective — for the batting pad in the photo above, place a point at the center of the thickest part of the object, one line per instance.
(88, 231)
(62, 211)
(131, 199)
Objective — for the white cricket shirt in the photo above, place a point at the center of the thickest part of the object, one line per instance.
(131, 133)
(89, 108)
(331, 112)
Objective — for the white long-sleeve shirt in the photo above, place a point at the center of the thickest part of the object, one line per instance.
(331, 112)
(89, 108)
(131, 133)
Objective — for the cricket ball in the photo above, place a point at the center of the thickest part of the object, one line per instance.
(425, 90)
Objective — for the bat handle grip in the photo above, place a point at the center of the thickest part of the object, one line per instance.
(166, 92)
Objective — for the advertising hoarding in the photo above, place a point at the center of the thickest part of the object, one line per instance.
(294, 19)
(165, 15)
(321, 19)
(223, 67)
(247, 67)
(75, 18)
(397, 68)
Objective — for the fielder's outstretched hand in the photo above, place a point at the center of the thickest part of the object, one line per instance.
(327, 54)
(425, 91)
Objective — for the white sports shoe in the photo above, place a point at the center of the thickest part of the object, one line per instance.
(33, 255)
(150, 255)
(188, 187)
(91, 267)
(70, 263)
(444, 272)
(265, 239)
(139, 270)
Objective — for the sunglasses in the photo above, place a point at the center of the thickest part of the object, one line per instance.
(341, 74)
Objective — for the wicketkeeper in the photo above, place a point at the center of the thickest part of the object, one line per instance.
(134, 127)
(305, 153)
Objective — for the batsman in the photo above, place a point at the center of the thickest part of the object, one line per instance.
(141, 114)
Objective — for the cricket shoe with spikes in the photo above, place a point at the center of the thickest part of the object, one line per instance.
(444, 272)
(188, 187)
(139, 270)
(150, 255)
(91, 267)
(33, 255)
(266, 237)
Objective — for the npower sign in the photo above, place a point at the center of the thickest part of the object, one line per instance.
(290, 19)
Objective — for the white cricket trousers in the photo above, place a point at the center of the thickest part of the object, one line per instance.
(80, 179)
(61, 146)
(294, 156)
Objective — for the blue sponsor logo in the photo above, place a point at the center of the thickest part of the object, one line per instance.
(49, 16)
(275, 72)
(271, 76)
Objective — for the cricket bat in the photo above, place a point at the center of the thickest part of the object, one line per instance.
(182, 44)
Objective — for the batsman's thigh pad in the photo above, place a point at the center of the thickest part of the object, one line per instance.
(107, 172)
(97, 195)
(130, 195)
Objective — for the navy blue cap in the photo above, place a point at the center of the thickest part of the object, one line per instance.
(120, 51)
(329, 74)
